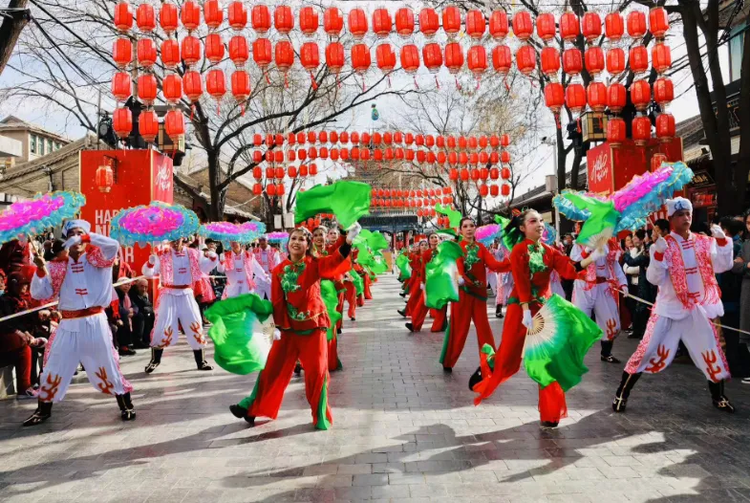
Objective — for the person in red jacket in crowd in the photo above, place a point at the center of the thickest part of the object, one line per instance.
(419, 312)
(334, 241)
(416, 282)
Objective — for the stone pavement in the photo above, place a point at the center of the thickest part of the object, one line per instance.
(403, 431)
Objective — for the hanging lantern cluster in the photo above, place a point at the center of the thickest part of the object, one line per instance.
(269, 167)
(421, 202)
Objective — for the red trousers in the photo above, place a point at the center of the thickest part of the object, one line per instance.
(419, 311)
(312, 351)
(552, 406)
(414, 295)
(438, 319)
(361, 300)
(21, 360)
(340, 309)
(467, 308)
(368, 293)
(333, 354)
(351, 298)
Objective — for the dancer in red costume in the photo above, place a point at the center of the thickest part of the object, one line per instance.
(419, 313)
(529, 294)
(301, 317)
(320, 249)
(417, 262)
(333, 242)
(472, 303)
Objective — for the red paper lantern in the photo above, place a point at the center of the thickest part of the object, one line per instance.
(550, 61)
(174, 124)
(546, 26)
(354, 137)
(237, 14)
(283, 19)
(429, 22)
(505, 140)
(292, 172)
(617, 97)
(240, 85)
(591, 26)
(291, 156)
(499, 25)
(333, 137)
(311, 137)
(213, 14)
(658, 22)
(405, 22)
(616, 131)
(575, 97)
(483, 142)
(398, 137)
(661, 57)
(572, 61)
(462, 142)
(169, 16)
(147, 88)
(523, 26)
(502, 60)
(663, 91)
(433, 57)
(597, 96)
(454, 57)
(476, 60)
(665, 127)
(505, 155)
(636, 24)
(475, 24)
(360, 56)
(640, 94)
(494, 173)
(333, 22)
(382, 24)
(594, 58)
(262, 52)
(505, 189)
(344, 137)
(123, 16)
(193, 85)
(312, 153)
(505, 173)
(484, 191)
(357, 23)
(257, 189)
(170, 53)
(526, 59)
(638, 59)
(279, 173)
(271, 190)
(641, 130)
(260, 18)
(569, 26)
(216, 84)
(614, 26)
(122, 52)
(308, 20)
(145, 18)
(309, 56)
(442, 158)
(148, 125)
(191, 50)
(190, 15)
(464, 174)
(238, 51)
(104, 178)
(335, 58)
(385, 57)
(284, 56)
(214, 49)
(494, 190)
(171, 87)
(122, 86)
(408, 138)
(451, 20)
(615, 61)
(410, 58)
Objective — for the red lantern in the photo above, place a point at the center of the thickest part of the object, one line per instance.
(505, 155)
(344, 137)
(494, 190)
(661, 57)
(484, 191)
(614, 26)
(523, 26)
(122, 86)
(502, 59)
(526, 59)
(505, 190)
(311, 137)
(616, 131)
(408, 138)
(238, 51)
(213, 14)
(309, 56)
(170, 53)
(193, 85)
(442, 158)
(105, 178)
(546, 26)
(357, 23)
(483, 142)
(505, 173)
(410, 58)
(240, 85)
(215, 83)
(454, 57)
(385, 57)
(237, 14)
(464, 174)
(617, 97)
(333, 22)
(291, 156)
(214, 48)
(572, 61)
(663, 92)
(333, 137)
(451, 20)
(597, 96)
(475, 24)
(283, 19)
(292, 172)
(262, 52)
(257, 189)
(505, 140)
(122, 52)
(398, 137)
(382, 24)
(615, 61)
(171, 87)
(550, 61)
(308, 20)
(494, 173)
(665, 127)
(591, 26)
(260, 18)
(191, 50)
(279, 173)
(638, 59)
(335, 57)
(658, 21)
(405, 22)
(476, 60)
(146, 51)
(462, 142)
(312, 153)
(429, 22)
(575, 97)
(271, 190)
(636, 24)
(284, 56)
(640, 94)
(147, 88)
(361, 61)
(569, 26)
(190, 15)
(124, 16)
(499, 25)
(433, 57)
(174, 124)
(145, 18)
(594, 58)
(641, 130)
(148, 125)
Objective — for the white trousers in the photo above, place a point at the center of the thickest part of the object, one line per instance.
(89, 343)
(263, 289)
(663, 335)
(504, 288)
(602, 303)
(236, 289)
(492, 281)
(175, 308)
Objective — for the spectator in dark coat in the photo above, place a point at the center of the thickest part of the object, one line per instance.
(143, 317)
(639, 258)
(730, 283)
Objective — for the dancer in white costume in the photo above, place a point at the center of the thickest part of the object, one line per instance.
(179, 268)
(268, 258)
(684, 266)
(239, 266)
(504, 281)
(83, 286)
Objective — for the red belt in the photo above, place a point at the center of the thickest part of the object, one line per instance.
(599, 280)
(81, 313)
(177, 287)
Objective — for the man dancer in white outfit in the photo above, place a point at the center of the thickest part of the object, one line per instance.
(268, 258)
(83, 285)
(684, 266)
(239, 266)
(179, 268)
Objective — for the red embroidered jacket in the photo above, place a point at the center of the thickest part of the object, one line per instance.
(528, 287)
(475, 278)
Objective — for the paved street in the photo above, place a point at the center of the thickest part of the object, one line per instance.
(403, 431)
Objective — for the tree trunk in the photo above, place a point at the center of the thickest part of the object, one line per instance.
(576, 168)
(742, 167)
(216, 208)
(13, 24)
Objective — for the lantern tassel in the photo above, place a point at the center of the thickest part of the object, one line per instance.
(286, 80)
(437, 82)
(242, 109)
(314, 84)
(505, 81)
(578, 124)
(389, 80)
(416, 84)
(458, 86)
(557, 120)
(268, 80)
(479, 81)
(192, 111)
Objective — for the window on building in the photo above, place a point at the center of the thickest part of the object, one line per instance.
(41, 146)
(735, 51)
(49, 146)
(32, 144)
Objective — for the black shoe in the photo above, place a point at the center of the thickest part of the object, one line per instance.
(40, 415)
(448, 370)
(402, 294)
(353, 319)
(127, 411)
(475, 378)
(238, 411)
(200, 361)
(499, 312)
(125, 351)
(610, 359)
(549, 424)
(627, 382)
(718, 398)
(155, 360)
(297, 369)
(338, 331)
(619, 403)
(402, 313)
(410, 327)
(250, 420)
(723, 404)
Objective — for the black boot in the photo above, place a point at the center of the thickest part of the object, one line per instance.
(155, 360)
(410, 327)
(499, 311)
(475, 378)
(241, 413)
(200, 361)
(127, 411)
(718, 398)
(606, 354)
(623, 392)
(402, 312)
(40, 415)
(298, 369)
